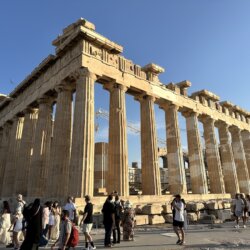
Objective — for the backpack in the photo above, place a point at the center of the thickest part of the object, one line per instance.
(74, 237)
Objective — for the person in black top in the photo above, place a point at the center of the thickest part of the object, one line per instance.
(33, 217)
(118, 213)
(108, 211)
(87, 221)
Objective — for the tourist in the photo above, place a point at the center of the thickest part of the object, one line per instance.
(33, 216)
(248, 204)
(17, 228)
(238, 207)
(128, 221)
(5, 224)
(108, 211)
(70, 206)
(51, 220)
(20, 203)
(118, 213)
(46, 213)
(178, 220)
(57, 218)
(245, 210)
(87, 221)
(65, 231)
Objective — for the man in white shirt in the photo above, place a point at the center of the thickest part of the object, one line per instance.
(238, 209)
(178, 220)
(70, 206)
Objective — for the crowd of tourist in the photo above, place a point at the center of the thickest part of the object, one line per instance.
(29, 226)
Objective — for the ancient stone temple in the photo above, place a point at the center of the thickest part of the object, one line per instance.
(34, 164)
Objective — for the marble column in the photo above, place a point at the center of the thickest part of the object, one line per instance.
(176, 171)
(196, 159)
(245, 135)
(4, 150)
(240, 160)
(60, 148)
(12, 156)
(151, 181)
(118, 148)
(82, 155)
(213, 157)
(227, 160)
(38, 175)
(25, 152)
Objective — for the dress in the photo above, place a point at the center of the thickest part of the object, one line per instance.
(5, 225)
(56, 227)
(128, 224)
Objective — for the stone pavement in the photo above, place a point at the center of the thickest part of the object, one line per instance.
(203, 237)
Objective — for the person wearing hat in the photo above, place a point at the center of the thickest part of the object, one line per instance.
(178, 220)
(87, 221)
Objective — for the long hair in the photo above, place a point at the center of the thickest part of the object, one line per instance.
(6, 207)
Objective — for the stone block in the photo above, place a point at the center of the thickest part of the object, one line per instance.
(226, 205)
(211, 205)
(192, 217)
(152, 209)
(195, 206)
(166, 208)
(224, 215)
(209, 219)
(141, 220)
(168, 218)
(156, 219)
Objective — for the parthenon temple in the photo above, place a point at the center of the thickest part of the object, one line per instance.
(45, 157)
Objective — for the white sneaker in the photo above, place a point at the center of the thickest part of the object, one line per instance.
(236, 226)
(244, 226)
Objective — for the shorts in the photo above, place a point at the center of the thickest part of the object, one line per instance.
(179, 224)
(87, 227)
(238, 213)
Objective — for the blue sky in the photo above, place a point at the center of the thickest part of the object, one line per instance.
(204, 41)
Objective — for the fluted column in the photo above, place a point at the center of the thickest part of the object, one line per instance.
(240, 160)
(176, 171)
(12, 155)
(60, 148)
(213, 157)
(118, 148)
(4, 151)
(245, 135)
(82, 154)
(25, 152)
(227, 160)
(196, 160)
(38, 176)
(151, 181)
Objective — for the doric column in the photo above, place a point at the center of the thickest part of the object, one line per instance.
(196, 160)
(118, 148)
(227, 160)
(240, 160)
(82, 154)
(176, 171)
(60, 148)
(213, 157)
(4, 151)
(38, 176)
(245, 135)
(12, 155)
(151, 181)
(25, 152)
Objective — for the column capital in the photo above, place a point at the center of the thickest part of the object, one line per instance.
(221, 124)
(234, 129)
(143, 97)
(84, 72)
(167, 105)
(111, 86)
(188, 112)
(205, 119)
(245, 132)
(30, 110)
(63, 87)
(45, 100)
